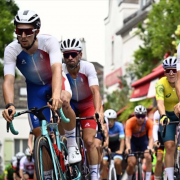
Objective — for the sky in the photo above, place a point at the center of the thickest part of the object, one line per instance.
(73, 18)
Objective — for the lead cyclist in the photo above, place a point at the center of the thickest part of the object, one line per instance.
(39, 59)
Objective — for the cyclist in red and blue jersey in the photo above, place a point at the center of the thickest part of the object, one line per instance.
(86, 99)
(116, 143)
(39, 59)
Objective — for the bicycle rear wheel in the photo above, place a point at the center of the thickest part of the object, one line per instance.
(43, 159)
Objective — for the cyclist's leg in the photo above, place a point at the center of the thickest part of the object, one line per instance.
(169, 143)
(159, 159)
(36, 96)
(118, 162)
(104, 174)
(74, 155)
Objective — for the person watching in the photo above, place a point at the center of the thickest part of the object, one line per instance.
(139, 137)
(116, 143)
(86, 99)
(166, 98)
(39, 59)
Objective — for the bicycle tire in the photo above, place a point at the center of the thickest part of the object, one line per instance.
(112, 174)
(140, 171)
(42, 142)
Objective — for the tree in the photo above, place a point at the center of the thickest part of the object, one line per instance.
(157, 34)
(7, 13)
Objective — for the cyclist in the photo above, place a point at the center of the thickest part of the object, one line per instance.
(160, 146)
(116, 143)
(139, 137)
(39, 59)
(27, 166)
(86, 99)
(9, 170)
(166, 100)
(16, 165)
(31, 141)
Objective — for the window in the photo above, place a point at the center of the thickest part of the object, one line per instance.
(20, 145)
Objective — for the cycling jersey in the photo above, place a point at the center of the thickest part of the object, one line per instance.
(27, 166)
(133, 129)
(82, 98)
(165, 92)
(9, 171)
(116, 133)
(36, 68)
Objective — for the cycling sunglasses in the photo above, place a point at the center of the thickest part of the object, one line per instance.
(28, 32)
(171, 71)
(73, 54)
(140, 115)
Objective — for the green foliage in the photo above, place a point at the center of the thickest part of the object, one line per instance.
(128, 111)
(119, 98)
(157, 34)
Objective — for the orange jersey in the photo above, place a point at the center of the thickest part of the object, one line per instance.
(132, 128)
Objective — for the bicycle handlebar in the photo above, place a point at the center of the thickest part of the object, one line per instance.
(164, 127)
(38, 113)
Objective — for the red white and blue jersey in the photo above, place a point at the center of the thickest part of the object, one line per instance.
(36, 67)
(86, 77)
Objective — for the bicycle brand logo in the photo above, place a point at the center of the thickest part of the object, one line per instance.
(168, 95)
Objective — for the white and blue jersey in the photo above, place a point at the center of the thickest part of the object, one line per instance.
(116, 133)
(36, 68)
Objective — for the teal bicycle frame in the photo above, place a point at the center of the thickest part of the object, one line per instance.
(44, 133)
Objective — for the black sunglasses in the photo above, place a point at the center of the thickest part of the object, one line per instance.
(72, 54)
(28, 32)
(171, 71)
(140, 115)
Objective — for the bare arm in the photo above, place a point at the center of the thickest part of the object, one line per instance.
(97, 100)
(106, 143)
(161, 107)
(151, 142)
(122, 143)
(57, 81)
(30, 142)
(177, 85)
(21, 173)
(128, 142)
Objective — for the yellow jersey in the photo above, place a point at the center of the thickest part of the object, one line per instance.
(164, 91)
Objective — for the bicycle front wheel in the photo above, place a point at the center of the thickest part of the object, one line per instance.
(112, 174)
(44, 166)
(140, 171)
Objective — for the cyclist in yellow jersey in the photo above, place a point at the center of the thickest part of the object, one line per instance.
(166, 99)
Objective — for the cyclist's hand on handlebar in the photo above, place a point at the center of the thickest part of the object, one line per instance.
(128, 151)
(157, 144)
(177, 109)
(100, 117)
(164, 119)
(6, 115)
(56, 103)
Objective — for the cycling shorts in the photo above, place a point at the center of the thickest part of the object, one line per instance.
(114, 155)
(171, 128)
(139, 143)
(85, 108)
(37, 97)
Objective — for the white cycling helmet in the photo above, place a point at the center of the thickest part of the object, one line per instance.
(19, 155)
(27, 152)
(71, 45)
(13, 159)
(27, 17)
(140, 110)
(170, 62)
(110, 114)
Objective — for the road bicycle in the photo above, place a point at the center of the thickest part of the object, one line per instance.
(139, 174)
(44, 152)
(177, 154)
(83, 165)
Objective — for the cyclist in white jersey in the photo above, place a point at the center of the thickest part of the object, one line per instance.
(39, 59)
(158, 142)
(86, 99)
